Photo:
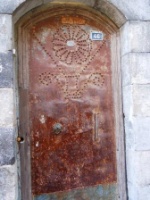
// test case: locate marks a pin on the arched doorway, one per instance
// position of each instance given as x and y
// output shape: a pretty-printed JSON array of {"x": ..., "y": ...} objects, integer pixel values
[{"x": 68, "y": 108}]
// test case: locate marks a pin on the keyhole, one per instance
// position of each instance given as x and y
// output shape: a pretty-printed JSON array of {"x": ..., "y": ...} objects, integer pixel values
[{"x": 57, "y": 128}]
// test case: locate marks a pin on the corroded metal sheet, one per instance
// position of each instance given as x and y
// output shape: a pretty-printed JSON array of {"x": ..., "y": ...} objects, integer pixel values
[{"x": 71, "y": 106}]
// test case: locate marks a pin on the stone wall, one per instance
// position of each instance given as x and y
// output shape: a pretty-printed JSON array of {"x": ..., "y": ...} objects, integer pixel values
[
  {"x": 136, "y": 101},
  {"x": 135, "y": 60},
  {"x": 8, "y": 172}
]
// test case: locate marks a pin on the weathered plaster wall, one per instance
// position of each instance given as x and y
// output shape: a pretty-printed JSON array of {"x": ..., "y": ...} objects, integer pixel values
[{"x": 135, "y": 59}]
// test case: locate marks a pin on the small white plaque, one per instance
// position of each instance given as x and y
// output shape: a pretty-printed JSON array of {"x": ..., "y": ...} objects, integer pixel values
[{"x": 96, "y": 35}]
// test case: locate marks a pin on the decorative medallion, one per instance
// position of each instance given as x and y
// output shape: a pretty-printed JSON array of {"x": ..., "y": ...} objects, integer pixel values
[{"x": 71, "y": 44}]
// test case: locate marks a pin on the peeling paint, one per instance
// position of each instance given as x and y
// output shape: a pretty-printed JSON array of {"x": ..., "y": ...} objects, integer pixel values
[{"x": 42, "y": 119}]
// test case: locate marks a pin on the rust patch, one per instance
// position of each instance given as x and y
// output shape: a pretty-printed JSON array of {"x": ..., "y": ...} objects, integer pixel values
[
  {"x": 70, "y": 86},
  {"x": 73, "y": 20}
]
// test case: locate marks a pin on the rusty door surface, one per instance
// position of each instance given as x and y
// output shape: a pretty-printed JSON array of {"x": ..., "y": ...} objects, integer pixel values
[{"x": 71, "y": 110}]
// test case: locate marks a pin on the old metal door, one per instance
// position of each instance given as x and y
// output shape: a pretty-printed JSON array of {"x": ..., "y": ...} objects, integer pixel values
[{"x": 71, "y": 110}]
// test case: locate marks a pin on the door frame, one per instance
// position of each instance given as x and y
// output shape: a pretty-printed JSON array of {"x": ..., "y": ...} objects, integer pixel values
[{"x": 21, "y": 37}]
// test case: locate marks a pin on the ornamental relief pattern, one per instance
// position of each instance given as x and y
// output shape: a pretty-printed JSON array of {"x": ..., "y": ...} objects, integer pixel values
[{"x": 72, "y": 47}]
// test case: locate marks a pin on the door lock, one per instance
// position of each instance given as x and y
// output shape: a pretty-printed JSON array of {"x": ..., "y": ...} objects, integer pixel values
[{"x": 57, "y": 128}]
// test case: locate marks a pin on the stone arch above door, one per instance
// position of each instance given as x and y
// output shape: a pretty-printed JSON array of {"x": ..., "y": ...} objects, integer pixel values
[
  {"x": 101, "y": 6},
  {"x": 100, "y": 12}
]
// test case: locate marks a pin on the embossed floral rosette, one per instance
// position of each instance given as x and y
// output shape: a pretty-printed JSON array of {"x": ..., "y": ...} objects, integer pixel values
[{"x": 71, "y": 44}]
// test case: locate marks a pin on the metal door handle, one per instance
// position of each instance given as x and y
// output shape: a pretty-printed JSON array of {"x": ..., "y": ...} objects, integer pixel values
[{"x": 95, "y": 128}]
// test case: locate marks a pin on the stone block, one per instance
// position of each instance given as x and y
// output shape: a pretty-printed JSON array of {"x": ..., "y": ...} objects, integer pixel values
[
  {"x": 136, "y": 192},
  {"x": 132, "y": 191},
  {"x": 102, "y": 6},
  {"x": 107, "y": 8},
  {"x": 129, "y": 133},
  {"x": 130, "y": 165},
  {"x": 7, "y": 108},
  {"x": 6, "y": 70},
  {"x": 86, "y": 2},
  {"x": 135, "y": 68},
  {"x": 142, "y": 168},
  {"x": 133, "y": 10},
  {"x": 8, "y": 183},
  {"x": 137, "y": 132},
  {"x": 136, "y": 101},
  {"x": 128, "y": 101},
  {"x": 141, "y": 99},
  {"x": 5, "y": 32},
  {"x": 138, "y": 165},
  {"x": 9, "y": 6},
  {"x": 28, "y": 6},
  {"x": 141, "y": 130},
  {"x": 7, "y": 146},
  {"x": 126, "y": 69},
  {"x": 143, "y": 193},
  {"x": 135, "y": 37}
]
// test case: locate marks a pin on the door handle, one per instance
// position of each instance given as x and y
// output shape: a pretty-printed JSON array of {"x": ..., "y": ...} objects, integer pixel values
[{"x": 95, "y": 127}]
